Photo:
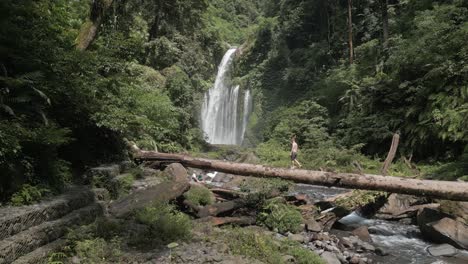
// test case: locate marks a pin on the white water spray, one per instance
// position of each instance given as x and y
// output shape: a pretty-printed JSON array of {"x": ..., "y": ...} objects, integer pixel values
[{"x": 221, "y": 120}]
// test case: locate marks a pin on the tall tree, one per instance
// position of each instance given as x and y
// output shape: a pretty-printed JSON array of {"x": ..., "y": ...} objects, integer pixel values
[
  {"x": 350, "y": 31},
  {"x": 384, "y": 7},
  {"x": 89, "y": 29}
]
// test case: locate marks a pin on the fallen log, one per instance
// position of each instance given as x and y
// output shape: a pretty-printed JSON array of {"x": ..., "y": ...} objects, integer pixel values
[
  {"x": 219, "y": 208},
  {"x": 447, "y": 190},
  {"x": 230, "y": 194},
  {"x": 218, "y": 221},
  {"x": 162, "y": 192}
]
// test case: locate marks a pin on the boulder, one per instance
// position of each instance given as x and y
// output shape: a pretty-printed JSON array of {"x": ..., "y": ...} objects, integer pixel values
[
  {"x": 297, "y": 237},
  {"x": 358, "y": 243},
  {"x": 428, "y": 215},
  {"x": 397, "y": 203},
  {"x": 330, "y": 258},
  {"x": 442, "y": 250},
  {"x": 438, "y": 227},
  {"x": 354, "y": 260},
  {"x": 327, "y": 221},
  {"x": 449, "y": 231},
  {"x": 381, "y": 252},
  {"x": 312, "y": 225},
  {"x": 176, "y": 172},
  {"x": 363, "y": 233},
  {"x": 457, "y": 209},
  {"x": 401, "y": 206}
]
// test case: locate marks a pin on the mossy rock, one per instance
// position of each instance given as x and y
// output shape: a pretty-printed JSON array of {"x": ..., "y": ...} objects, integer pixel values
[
  {"x": 456, "y": 209},
  {"x": 200, "y": 195}
]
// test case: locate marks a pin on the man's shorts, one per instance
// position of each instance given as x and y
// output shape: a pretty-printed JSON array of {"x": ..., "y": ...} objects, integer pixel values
[{"x": 293, "y": 155}]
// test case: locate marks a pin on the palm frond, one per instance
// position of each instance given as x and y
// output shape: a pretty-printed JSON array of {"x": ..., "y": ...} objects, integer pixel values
[
  {"x": 32, "y": 76},
  {"x": 42, "y": 95},
  {"x": 7, "y": 109}
]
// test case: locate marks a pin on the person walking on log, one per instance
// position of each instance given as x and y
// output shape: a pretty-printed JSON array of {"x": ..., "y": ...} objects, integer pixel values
[{"x": 294, "y": 149}]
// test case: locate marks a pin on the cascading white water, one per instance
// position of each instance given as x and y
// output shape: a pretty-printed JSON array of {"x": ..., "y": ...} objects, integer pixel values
[
  {"x": 246, "y": 112},
  {"x": 220, "y": 119}
]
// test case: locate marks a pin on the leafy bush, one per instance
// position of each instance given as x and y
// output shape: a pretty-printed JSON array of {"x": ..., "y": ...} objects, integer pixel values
[
  {"x": 56, "y": 258},
  {"x": 199, "y": 195},
  {"x": 117, "y": 186},
  {"x": 303, "y": 255},
  {"x": 99, "y": 250},
  {"x": 98, "y": 242},
  {"x": 125, "y": 183},
  {"x": 137, "y": 172},
  {"x": 261, "y": 189},
  {"x": 165, "y": 223},
  {"x": 29, "y": 194},
  {"x": 101, "y": 228},
  {"x": 264, "y": 248},
  {"x": 359, "y": 198},
  {"x": 277, "y": 215},
  {"x": 272, "y": 185}
]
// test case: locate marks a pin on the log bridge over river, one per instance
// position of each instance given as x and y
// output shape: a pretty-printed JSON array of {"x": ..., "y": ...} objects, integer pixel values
[{"x": 448, "y": 190}]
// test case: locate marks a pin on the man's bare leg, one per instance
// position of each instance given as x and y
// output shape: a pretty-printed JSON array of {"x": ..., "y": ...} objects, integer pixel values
[{"x": 298, "y": 163}]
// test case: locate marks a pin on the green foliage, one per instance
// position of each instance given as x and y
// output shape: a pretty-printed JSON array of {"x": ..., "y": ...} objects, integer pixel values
[
  {"x": 99, "y": 250},
  {"x": 56, "y": 258},
  {"x": 125, "y": 182},
  {"x": 307, "y": 120},
  {"x": 232, "y": 20},
  {"x": 416, "y": 84},
  {"x": 29, "y": 194},
  {"x": 264, "y": 248},
  {"x": 117, "y": 186},
  {"x": 142, "y": 78},
  {"x": 259, "y": 190},
  {"x": 99, "y": 242},
  {"x": 274, "y": 185},
  {"x": 359, "y": 198},
  {"x": 137, "y": 172},
  {"x": 101, "y": 228},
  {"x": 165, "y": 224},
  {"x": 144, "y": 75},
  {"x": 199, "y": 195},
  {"x": 277, "y": 215}
]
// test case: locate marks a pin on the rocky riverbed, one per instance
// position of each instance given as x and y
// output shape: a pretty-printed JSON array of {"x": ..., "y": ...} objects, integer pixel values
[
  {"x": 338, "y": 225},
  {"x": 391, "y": 236}
]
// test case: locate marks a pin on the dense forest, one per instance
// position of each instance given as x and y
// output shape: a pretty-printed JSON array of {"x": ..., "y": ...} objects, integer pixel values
[{"x": 80, "y": 77}]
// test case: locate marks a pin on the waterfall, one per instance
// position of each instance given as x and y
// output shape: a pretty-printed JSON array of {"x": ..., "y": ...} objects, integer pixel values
[
  {"x": 223, "y": 118},
  {"x": 246, "y": 112}
]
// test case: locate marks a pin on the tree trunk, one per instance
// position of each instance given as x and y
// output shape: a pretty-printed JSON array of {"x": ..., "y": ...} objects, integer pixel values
[
  {"x": 437, "y": 189},
  {"x": 219, "y": 208},
  {"x": 218, "y": 221},
  {"x": 391, "y": 153},
  {"x": 89, "y": 29},
  {"x": 350, "y": 32},
  {"x": 163, "y": 192},
  {"x": 384, "y": 6}
]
